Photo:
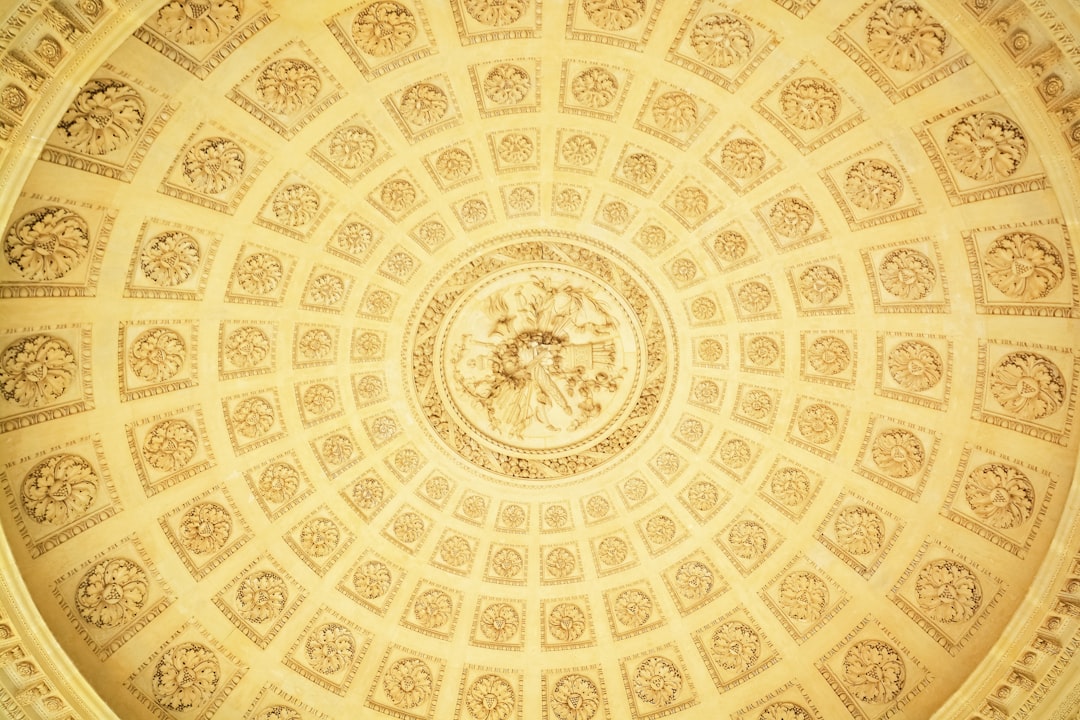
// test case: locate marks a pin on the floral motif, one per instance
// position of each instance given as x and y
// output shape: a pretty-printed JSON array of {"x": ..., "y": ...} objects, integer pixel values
[
  {"x": 828, "y": 355},
  {"x": 157, "y": 354},
  {"x": 915, "y": 366},
  {"x": 703, "y": 495},
  {"x": 288, "y": 85},
  {"x": 594, "y": 87},
  {"x": 355, "y": 238},
  {"x": 326, "y": 289},
  {"x": 898, "y": 452},
  {"x": 999, "y": 494},
  {"x": 186, "y": 676},
  {"x": 873, "y": 185},
  {"x": 568, "y": 200},
  {"x": 703, "y": 308},
  {"x": 473, "y": 211},
  {"x": 692, "y": 430},
  {"x": 46, "y": 243},
  {"x": 372, "y": 580},
  {"x": 507, "y": 84},
  {"x": 353, "y": 146},
  {"x": 198, "y": 22},
  {"x": 408, "y": 527},
  {"x": 635, "y": 489},
  {"x": 757, "y": 405},
  {"x": 368, "y": 493},
  {"x": 762, "y": 351},
  {"x": 818, "y": 423},
  {"x": 454, "y": 164},
  {"x": 747, "y": 539},
  {"x": 566, "y": 622},
  {"x": 907, "y": 273},
  {"x": 437, "y": 487},
  {"x": 691, "y": 202},
  {"x": 112, "y": 592},
  {"x": 1023, "y": 266},
  {"x": 59, "y": 489},
  {"x": 247, "y": 346},
  {"x": 791, "y": 218},
  {"x": 574, "y": 697},
  {"x": 315, "y": 344},
  {"x": 560, "y": 563},
  {"x": 578, "y": 150},
  {"x": 253, "y": 417},
  {"x": 432, "y": 233},
  {"x": 512, "y": 516},
  {"x": 279, "y": 712},
  {"x": 433, "y": 608},
  {"x": 214, "y": 165},
  {"x": 640, "y": 168},
  {"x": 330, "y": 648},
  {"x": 556, "y": 516},
  {"x": 742, "y": 158},
  {"x": 675, "y": 112},
  {"x": 1025, "y": 384},
  {"x": 295, "y": 205},
  {"x": 408, "y": 682},
  {"x": 397, "y": 194},
  {"x": 36, "y": 370},
  {"x": 735, "y": 646},
  {"x": 455, "y": 551},
  {"x": 803, "y": 596},
  {"x": 490, "y": 697},
  {"x": 259, "y": 273},
  {"x": 905, "y": 37},
  {"x": 612, "y": 551},
  {"x": 205, "y": 528},
  {"x": 810, "y": 103},
  {"x": 948, "y": 591},
  {"x": 319, "y": 537},
  {"x": 633, "y": 608},
  {"x": 657, "y": 681},
  {"x": 105, "y": 115},
  {"x": 521, "y": 199},
  {"x": 683, "y": 269},
  {"x": 722, "y": 40},
  {"x": 614, "y": 15},
  {"x": 497, "y": 13},
  {"x": 754, "y": 296},
  {"x": 986, "y": 146},
  {"x": 170, "y": 445},
  {"x": 515, "y": 148},
  {"x": 261, "y": 596},
  {"x": 615, "y": 213},
  {"x": 730, "y": 245},
  {"x": 336, "y": 449},
  {"x": 820, "y": 285},
  {"x": 859, "y": 530},
  {"x": 170, "y": 258},
  {"x": 694, "y": 580},
  {"x": 790, "y": 485},
  {"x": 735, "y": 453},
  {"x": 874, "y": 671},
  {"x": 784, "y": 710},
  {"x": 423, "y": 104},
  {"x": 384, "y": 28},
  {"x": 499, "y": 622},
  {"x": 597, "y": 506},
  {"x": 278, "y": 482}
]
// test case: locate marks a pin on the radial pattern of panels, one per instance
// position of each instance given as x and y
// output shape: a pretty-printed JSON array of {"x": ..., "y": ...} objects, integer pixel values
[{"x": 498, "y": 359}]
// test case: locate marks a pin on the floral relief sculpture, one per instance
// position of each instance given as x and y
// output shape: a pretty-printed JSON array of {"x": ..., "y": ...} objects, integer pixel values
[
  {"x": 319, "y": 537},
  {"x": 803, "y": 596},
  {"x": 59, "y": 489},
  {"x": 1027, "y": 385},
  {"x": 351, "y": 147},
  {"x": 372, "y": 580},
  {"x": 214, "y": 165},
  {"x": 873, "y": 185},
  {"x": 748, "y": 539},
  {"x": 614, "y": 15},
  {"x": 259, "y": 273},
  {"x": 859, "y": 530},
  {"x": 507, "y": 84},
  {"x": 791, "y": 217},
  {"x": 574, "y": 697},
  {"x": 253, "y": 417},
  {"x": 205, "y": 528},
  {"x": 287, "y": 86},
  {"x": 499, "y": 622},
  {"x": 496, "y": 13},
  {"x": 295, "y": 205},
  {"x": 594, "y": 87},
  {"x": 721, "y": 40},
  {"x": 742, "y": 159},
  {"x": 170, "y": 445},
  {"x": 730, "y": 245},
  {"x": 948, "y": 591},
  {"x": 675, "y": 112},
  {"x": 784, "y": 710},
  {"x": 874, "y": 671},
  {"x": 490, "y": 697},
  {"x": 694, "y": 580},
  {"x": 828, "y": 355},
  {"x": 261, "y": 596},
  {"x": 915, "y": 365},
  {"x": 566, "y": 622},
  {"x": 105, "y": 115},
  {"x": 986, "y": 146},
  {"x": 423, "y": 104},
  {"x": 820, "y": 284},
  {"x": 46, "y": 243},
  {"x": 247, "y": 346},
  {"x": 790, "y": 485},
  {"x": 279, "y": 712},
  {"x": 657, "y": 681},
  {"x": 278, "y": 482},
  {"x": 1000, "y": 495},
  {"x": 112, "y": 592},
  {"x": 1023, "y": 266},
  {"x": 408, "y": 682},
  {"x": 170, "y": 258},
  {"x": 382, "y": 29},
  {"x": 903, "y": 36},
  {"x": 185, "y": 677},
  {"x": 560, "y": 563},
  {"x": 907, "y": 274},
  {"x": 433, "y": 608},
  {"x": 898, "y": 452},
  {"x": 198, "y": 22},
  {"x": 36, "y": 370},
  {"x": 735, "y": 646},
  {"x": 810, "y": 103},
  {"x": 818, "y": 423},
  {"x": 633, "y": 608},
  {"x": 330, "y": 648},
  {"x": 157, "y": 354}
]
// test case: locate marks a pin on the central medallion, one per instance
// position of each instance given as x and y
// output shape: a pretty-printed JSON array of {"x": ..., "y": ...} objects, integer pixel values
[{"x": 541, "y": 359}]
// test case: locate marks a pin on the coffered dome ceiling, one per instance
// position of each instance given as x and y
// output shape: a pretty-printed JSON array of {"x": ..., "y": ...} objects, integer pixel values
[{"x": 502, "y": 359}]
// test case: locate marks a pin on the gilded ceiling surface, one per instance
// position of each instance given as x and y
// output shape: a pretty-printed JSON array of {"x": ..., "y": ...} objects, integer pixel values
[{"x": 522, "y": 359}]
